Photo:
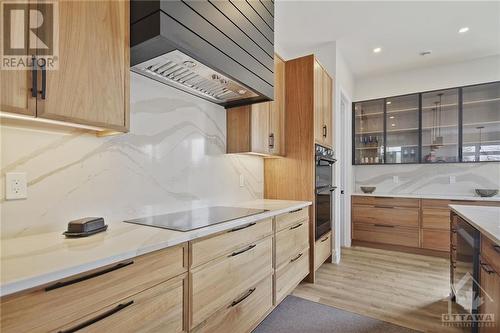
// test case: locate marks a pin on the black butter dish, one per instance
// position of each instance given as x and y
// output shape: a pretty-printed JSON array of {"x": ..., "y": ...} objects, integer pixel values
[{"x": 85, "y": 227}]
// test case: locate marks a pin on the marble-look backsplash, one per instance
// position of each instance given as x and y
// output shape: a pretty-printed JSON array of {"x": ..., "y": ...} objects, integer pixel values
[
  {"x": 172, "y": 159},
  {"x": 429, "y": 179}
]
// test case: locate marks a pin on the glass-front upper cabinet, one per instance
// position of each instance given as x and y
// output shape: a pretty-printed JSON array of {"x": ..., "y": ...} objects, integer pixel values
[
  {"x": 369, "y": 132},
  {"x": 402, "y": 128},
  {"x": 440, "y": 126},
  {"x": 481, "y": 123}
]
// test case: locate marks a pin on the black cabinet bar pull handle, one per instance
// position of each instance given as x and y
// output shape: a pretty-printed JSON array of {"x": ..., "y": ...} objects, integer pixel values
[
  {"x": 58, "y": 285},
  {"x": 44, "y": 79},
  {"x": 324, "y": 131},
  {"x": 295, "y": 211},
  {"x": 487, "y": 268},
  {"x": 242, "y": 251},
  {"x": 496, "y": 248},
  {"x": 34, "y": 78},
  {"x": 296, "y": 226},
  {"x": 271, "y": 141},
  {"x": 383, "y": 225},
  {"x": 97, "y": 318},
  {"x": 242, "y": 298},
  {"x": 324, "y": 239},
  {"x": 242, "y": 227},
  {"x": 296, "y": 258}
]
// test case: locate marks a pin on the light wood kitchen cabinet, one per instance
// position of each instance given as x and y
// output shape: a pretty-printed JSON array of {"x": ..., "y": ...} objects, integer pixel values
[
  {"x": 91, "y": 84},
  {"x": 66, "y": 301},
  {"x": 290, "y": 275},
  {"x": 323, "y": 107},
  {"x": 260, "y": 128},
  {"x": 409, "y": 222},
  {"x": 290, "y": 242},
  {"x": 224, "y": 280},
  {"x": 243, "y": 314},
  {"x": 490, "y": 293},
  {"x": 323, "y": 249},
  {"x": 157, "y": 309}
]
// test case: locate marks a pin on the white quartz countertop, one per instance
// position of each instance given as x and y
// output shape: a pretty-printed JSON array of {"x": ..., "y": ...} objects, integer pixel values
[
  {"x": 430, "y": 196},
  {"x": 31, "y": 261},
  {"x": 484, "y": 219}
]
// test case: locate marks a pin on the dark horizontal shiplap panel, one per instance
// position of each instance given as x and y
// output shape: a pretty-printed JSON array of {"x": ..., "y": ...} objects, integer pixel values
[
  {"x": 183, "y": 14},
  {"x": 254, "y": 18},
  {"x": 227, "y": 27},
  {"x": 245, "y": 25},
  {"x": 269, "y": 6},
  {"x": 262, "y": 12}
]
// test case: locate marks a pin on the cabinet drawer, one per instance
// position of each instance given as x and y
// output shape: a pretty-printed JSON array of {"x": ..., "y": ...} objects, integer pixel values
[
  {"x": 286, "y": 220},
  {"x": 441, "y": 203},
  {"x": 434, "y": 239},
  {"x": 210, "y": 248},
  {"x": 290, "y": 275},
  {"x": 57, "y": 304},
  {"x": 386, "y": 234},
  {"x": 385, "y": 201},
  {"x": 491, "y": 253},
  {"x": 322, "y": 249},
  {"x": 242, "y": 313},
  {"x": 291, "y": 241},
  {"x": 436, "y": 218},
  {"x": 220, "y": 281},
  {"x": 157, "y": 309},
  {"x": 406, "y": 217}
]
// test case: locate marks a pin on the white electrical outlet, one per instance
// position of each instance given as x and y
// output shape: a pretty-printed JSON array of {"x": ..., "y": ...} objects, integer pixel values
[
  {"x": 453, "y": 179},
  {"x": 15, "y": 186},
  {"x": 395, "y": 179},
  {"x": 242, "y": 181}
]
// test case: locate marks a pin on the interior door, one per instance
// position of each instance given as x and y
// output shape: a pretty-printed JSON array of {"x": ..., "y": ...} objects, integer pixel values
[
  {"x": 16, "y": 85},
  {"x": 277, "y": 109},
  {"x": 90, "y": 86},
  {"x": 318, "y": 104}
]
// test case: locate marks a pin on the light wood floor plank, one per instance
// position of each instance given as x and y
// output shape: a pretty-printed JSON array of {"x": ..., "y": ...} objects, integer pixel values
[{"x": 406, "y": 289}]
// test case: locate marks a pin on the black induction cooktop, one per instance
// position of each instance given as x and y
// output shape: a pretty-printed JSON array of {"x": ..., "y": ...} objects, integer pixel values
[{"x": 197, "y": 218}]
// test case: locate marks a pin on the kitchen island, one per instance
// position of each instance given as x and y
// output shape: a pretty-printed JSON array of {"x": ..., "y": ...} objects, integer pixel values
[{"x": 113, "y": 280}]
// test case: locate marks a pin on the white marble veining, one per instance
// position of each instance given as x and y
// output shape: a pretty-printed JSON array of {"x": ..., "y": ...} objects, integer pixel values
[
  {"x": 34, "y": 260},
  {"x": 173, "y": 158},
  {"x": 429, "y": 178},
  {"x": 430, "y": 196},
  {"x": 484, "y": 219}
]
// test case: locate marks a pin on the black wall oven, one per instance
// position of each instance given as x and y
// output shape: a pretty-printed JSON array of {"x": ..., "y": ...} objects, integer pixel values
[{"x": 325, "y": 159}]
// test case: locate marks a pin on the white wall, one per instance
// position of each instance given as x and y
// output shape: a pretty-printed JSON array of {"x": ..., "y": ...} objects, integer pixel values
[
  {"x": 172, "y": 159},
  {"x": 437, "y": 77}
]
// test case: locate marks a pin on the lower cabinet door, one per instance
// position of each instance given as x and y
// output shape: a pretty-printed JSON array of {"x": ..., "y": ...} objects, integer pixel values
[
  {"x": 157, "y": 309},
  {"x": 434, "y": 239},
  {"x": 490, "y": 292},
  {"x": 322, "y": 249},
  {"x": 222, "y": 280},
  {"x": 290, "y": 275},
  {"x": 386, "y": 234},
  {"x": 243, "y": 313}
]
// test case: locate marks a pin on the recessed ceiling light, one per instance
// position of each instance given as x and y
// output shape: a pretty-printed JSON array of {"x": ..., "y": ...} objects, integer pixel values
[
  {"x": 463, "y": 30},
  {"x": 393, "y": 125},
  {"x": 391, "y": 117},
  {"x": 389, "y": 103},
  {"x": 377, "y": 50}
]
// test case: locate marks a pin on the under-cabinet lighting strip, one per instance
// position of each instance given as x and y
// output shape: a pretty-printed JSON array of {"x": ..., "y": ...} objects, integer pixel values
[{"x": 8, "y": 115}]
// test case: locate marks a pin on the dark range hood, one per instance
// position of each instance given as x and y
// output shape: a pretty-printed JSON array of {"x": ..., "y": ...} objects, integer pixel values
[{"x": 222, "y": 51}]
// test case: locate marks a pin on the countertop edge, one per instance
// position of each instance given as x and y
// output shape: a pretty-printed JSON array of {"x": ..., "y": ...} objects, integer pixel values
[
  {"x": 481, "y": 229},
  {"x": 39, "y": 280},
  {"x": 430, "y": 196}
]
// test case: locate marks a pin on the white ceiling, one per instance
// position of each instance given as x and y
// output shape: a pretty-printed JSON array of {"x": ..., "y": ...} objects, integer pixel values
[{"x": 402, "y": 29}]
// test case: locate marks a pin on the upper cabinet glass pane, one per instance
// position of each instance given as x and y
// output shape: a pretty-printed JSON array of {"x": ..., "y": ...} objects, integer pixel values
[
  {"x": 369, "y": 132},
  {"x": 402, "y": 124},
  {"x": 440, "y": 111},
  {"x": 481, "y": 123}
]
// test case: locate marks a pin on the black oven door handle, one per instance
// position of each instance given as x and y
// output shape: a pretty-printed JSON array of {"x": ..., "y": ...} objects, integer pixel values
[{"x": 325, "y": 189}]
